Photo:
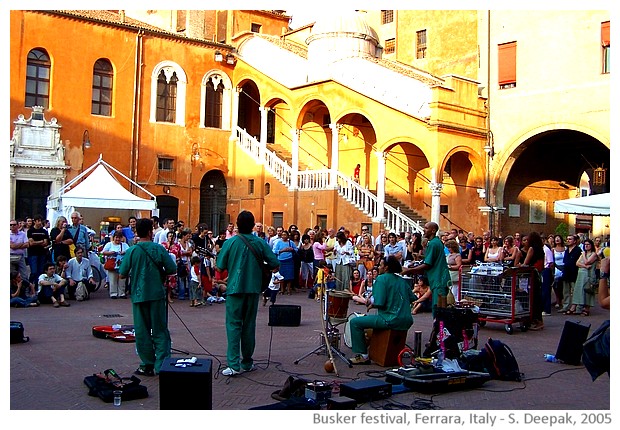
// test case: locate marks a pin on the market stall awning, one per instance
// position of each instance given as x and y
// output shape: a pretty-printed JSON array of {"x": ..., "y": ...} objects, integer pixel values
[
  {"x": 596, "y": 204},
  {"x": 100, "y": 189}
]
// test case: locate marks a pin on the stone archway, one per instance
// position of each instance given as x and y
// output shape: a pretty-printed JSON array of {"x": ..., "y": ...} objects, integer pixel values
[
  {"x": 213, "y": 194},
  {"x": 544, "y": 168}
]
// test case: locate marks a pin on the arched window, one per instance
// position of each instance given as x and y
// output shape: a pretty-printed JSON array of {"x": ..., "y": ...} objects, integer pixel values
[
  {"x": 103, "y": 78},
  {"x": 38, "y": 78},
  {"x": 168, "y": 90},
  {"x": 166, "y": 97},
  {"x": 213, "y": 105},
  {"x": 216, "y": 99}
]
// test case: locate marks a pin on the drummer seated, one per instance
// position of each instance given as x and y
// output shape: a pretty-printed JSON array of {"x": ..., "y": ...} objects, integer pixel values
[
  {"x": 422, "y": 291},
  {"x": 391, "y": 296}
]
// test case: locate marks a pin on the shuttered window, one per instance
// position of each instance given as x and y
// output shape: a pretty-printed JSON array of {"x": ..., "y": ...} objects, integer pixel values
[
  {"x": 605, "y": 43},
  {"x": 605, "y": 33},
  {"x": 507, "y": 65}
]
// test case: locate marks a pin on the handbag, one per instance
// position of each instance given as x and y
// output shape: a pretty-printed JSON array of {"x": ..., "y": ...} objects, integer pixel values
[
  {"x": 110, "y": 263},
  {"x": 591, "y": 287},
  {"x": 182, "y": 271},
  {"x": 72, "y": 246},
  {"x": 266, "y": 272}
]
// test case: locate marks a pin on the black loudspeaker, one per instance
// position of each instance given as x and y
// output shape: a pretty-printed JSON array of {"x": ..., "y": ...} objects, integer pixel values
[
  {"x": 185, "y": 388},
  {"x": 570, "y": 347},
  {"x": 284, "y": 315}
]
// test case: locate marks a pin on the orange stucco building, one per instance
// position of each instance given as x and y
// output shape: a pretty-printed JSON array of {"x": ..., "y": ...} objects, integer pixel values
[{"x": 182, "y": 101}]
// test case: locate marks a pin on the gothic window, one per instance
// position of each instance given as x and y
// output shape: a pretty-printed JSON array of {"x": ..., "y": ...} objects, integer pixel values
[
  {"x": 168, "y": 93},
  {"x": 213, "y": 105},
  {"x": 166, "y": 97},
  {"x": 216, "y": 100},
  {"x": 38, "y": 78},
  {"x": 103, "y": 77}
]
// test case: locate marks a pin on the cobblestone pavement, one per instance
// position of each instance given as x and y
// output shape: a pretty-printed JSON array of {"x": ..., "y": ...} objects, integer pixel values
[{"x": 47, "y": 372}]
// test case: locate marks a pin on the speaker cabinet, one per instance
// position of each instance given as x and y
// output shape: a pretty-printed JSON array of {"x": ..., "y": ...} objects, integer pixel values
[
  {"x": 284, "y": 315},
  {"x": 385, "y": 345},
  {"x": 571, "y": 342},
  {"x": 185, "y": 388}
]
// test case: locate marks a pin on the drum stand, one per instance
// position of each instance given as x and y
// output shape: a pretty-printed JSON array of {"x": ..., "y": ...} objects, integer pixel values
[{"x": 327, "y": 337}]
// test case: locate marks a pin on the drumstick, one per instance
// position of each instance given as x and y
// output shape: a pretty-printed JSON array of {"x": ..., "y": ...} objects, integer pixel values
[{"x": 328, "y": 344}]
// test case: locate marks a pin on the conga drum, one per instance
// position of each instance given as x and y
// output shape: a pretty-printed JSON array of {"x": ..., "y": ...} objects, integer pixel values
[{"x": 338, "y": 304}]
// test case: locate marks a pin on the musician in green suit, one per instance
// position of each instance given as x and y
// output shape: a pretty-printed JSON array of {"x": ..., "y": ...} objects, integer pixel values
[
  {"x": 392, "y": 297},
  {"x": 148, "y": 263},
  {"x": 243, "y": 291}
]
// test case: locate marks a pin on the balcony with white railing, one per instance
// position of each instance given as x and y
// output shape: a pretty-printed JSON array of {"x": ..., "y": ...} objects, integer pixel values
[{"x": 313, "y": 180}]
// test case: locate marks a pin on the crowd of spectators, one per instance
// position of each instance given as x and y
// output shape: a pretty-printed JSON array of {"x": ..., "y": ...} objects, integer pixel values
[{"x": 567, "y": 265}]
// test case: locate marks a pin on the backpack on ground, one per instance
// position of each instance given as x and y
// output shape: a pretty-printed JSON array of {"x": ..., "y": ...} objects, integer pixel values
[
  {"x": 17, "y": 333},
  {"x": 500, "y": 362},
  {"x": 104, "y": 384},
  {"x": 81, "y": 292}
]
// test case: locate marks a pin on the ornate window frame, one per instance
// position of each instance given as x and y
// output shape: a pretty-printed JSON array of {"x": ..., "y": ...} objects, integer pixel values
[
  {"x": 217, "y": 76},
  {"x": 169, "y": 67}
]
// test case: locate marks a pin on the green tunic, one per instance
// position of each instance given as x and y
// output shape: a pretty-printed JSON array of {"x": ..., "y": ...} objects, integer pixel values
[
  {"x": 242, "y": 295},
  {"x": 438, "y": 274},
  {"x": 148, "y": 297},
  {"x": 392, "y": 297}
]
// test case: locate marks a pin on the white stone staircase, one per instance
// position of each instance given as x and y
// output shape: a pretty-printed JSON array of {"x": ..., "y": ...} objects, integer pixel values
[{"x": 325, "y": 179}]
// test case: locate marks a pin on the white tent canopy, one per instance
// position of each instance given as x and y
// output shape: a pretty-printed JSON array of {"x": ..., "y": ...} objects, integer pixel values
[
  {"x": 596, "y": 204},
  {"x": 97, "y": 188}
]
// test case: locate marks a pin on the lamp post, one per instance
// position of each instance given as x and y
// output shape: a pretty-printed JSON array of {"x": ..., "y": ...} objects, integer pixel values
[
  {"x": 86, "y": 140},
  {"x": 85, "y": 145},
  {"x": 194, "y": 158}
]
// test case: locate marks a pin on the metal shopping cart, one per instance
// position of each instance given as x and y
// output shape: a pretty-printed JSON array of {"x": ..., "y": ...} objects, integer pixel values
[{"x": 503, "y": 295}]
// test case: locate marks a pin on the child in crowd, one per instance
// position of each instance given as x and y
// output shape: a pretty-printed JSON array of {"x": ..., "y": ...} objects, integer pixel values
[
  {"x": 365, "y": 290},
  {"x": 423, "y": 293},
  {"x": 205, "y": 275},
  {"x": 218, "y": 291},
  {"x": 274, "y": 287},
  {"x": 324, "y": 279},
  {"x": 195, "y": 285}
]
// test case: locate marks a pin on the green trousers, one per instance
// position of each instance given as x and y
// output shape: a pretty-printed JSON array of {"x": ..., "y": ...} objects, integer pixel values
[
  {"x": 358, "y": 325},
  {"x": 241, "y": 310},
  {"x": 152, "y": 336}
]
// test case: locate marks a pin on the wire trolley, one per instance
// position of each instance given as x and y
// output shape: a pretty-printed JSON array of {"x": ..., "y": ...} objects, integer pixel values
[{"x": 503, "y": 295}]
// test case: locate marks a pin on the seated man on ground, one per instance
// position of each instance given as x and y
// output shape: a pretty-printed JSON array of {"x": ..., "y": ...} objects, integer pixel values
[
  {"x": 80, "y": 275},
  {"x": 22, "y": 292},
  {"x": 51, "y": 287},
  {"x": 391, "y": 296}
]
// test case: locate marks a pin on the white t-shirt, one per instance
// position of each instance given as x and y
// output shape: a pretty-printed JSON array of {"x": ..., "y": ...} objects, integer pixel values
[
  {"x": 193, "y": 275},
  {"x": 275, "y": 277}
]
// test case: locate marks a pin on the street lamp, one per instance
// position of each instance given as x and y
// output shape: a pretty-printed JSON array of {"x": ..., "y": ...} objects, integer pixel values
[
  {"x": 195, "y": 153},
  {"x": 86, "y": 140}
]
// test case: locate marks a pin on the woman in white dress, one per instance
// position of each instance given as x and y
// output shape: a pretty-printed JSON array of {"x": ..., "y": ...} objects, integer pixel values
[
  {"x": 116, "y": 250},
  {"x": 558, "y": 257},
  {"x": 494, "y": 253}
]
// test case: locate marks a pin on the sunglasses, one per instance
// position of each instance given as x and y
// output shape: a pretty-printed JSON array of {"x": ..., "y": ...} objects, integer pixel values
[{"x": 12, "y": 225}]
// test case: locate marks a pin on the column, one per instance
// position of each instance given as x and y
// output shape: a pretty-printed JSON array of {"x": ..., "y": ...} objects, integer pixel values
[
  {"x": 263, "y": 134},
  {"x": 294, "y": 159},
  {"x": 234, "y": 114},
  {"x": 436, "y": 188},
  {"x": 334, "y": 165},
  {"x": 378, "y": 215}
]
